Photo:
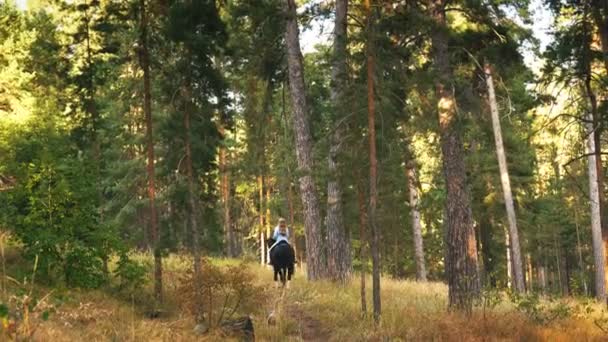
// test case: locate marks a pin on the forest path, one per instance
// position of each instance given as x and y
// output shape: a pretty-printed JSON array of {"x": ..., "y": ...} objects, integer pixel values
[
  {"x": 310, "y": 328},
  {"x": 289, "y": 308}
]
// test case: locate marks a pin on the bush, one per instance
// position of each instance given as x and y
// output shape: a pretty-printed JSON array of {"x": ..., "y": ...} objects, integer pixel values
[
  {"x": 83, "y": 268},
  {"x": 52, "y": 210},
  {"x": 226, "y": 291},
  {"x": 541, "y": 312},
  {"x": 130, "y": 273}
]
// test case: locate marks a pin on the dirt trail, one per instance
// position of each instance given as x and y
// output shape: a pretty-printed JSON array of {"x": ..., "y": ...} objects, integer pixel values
[{"x": 310, "y": 328}]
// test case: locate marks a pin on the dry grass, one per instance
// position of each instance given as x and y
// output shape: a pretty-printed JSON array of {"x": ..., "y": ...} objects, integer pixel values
[{"x": 319, "y": 311}]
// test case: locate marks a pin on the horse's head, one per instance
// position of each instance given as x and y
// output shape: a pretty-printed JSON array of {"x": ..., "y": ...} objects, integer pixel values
[{"x": 270, "y": 242}]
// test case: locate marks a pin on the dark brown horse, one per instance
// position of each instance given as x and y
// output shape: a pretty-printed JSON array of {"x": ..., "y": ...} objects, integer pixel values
[{"x": 282, "y": 259}]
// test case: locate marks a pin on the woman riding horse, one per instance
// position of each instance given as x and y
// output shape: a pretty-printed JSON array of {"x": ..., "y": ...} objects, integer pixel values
[{"x": 282, "y": 255}]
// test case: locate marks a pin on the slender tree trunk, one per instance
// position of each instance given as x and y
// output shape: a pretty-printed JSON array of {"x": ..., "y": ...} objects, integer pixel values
[
  {"x": 565, "y": 285},
  {"x": 558, "y": 263},
  {"x": 338, "y": 246},
  {"x": 597, "y": 133},
  {"x": 579, "y": 252},
  {"x": 509, "y": 260},
  {"x": 262, "y": 231},
  {"x": 600, "y": 244},
  {"x": 487, "y": 252},
  {"x": 268, "y": 222},
  {"x": 412, "y": 180},
  {"x": 362, "y": 241},
  {"x": 229, "y": 248},
  {"x": 461, "y": 247},
  {"x": 292, "y": 222},
  {"x": 596, "y": 227},
  {"x": 193, "y": 204},
  {"x": 312, "y": 220},
  {"x": 145, "y": 65},
  {"x": 529, "y": 273},
  {"x": 506, "y": 185},
  {"x": 542, "y": 278},
  {"x": 373, "y": 163}
]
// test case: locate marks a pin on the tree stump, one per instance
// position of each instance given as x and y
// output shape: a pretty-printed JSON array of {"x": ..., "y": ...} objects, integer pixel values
[{"x": 240, "y": 327}]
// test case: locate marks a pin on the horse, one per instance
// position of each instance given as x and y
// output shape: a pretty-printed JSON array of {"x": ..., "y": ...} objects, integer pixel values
[{"x": 282, "y": 259}]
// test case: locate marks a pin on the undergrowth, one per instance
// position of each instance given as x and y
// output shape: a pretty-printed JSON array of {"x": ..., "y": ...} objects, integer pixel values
[{"x": 307, "y": 311}]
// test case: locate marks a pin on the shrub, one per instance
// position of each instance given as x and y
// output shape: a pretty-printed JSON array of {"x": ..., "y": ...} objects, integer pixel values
[
  {"x": 130, "y": 273},
  {"x": 52, "y": 210},
  {"x": 226, "y": 291},
  {"x": 539, "y": 311}
]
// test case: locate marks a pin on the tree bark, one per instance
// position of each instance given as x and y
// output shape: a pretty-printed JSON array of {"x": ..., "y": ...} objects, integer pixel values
[
  {"x": 338, "y": 246},
  {"x": 268, "y": 221},
  {"x": 579, "y": 252},
  {"x": 412, "y": 180},
  {"x": 600, "y": 241},
  {"x": 312, "y": 220},
  {"x": 229, "y": 243},
  {"x": 193, "y": 203},
  {"x": 373, "y": 163},
  {"x": 292, "y": 221},
  {"x": 596, "y": 226},
  {"x": 362, "y": 242},
  {"x": 262, "y": 230},
  {"x": 542, "y": 278},
  {"x": 529, "y": 272},
  {"x": 518, "y": 269},
  {"x": 509, "y": 259},
  {"x": 488, "y": 251},
  {"x": 461, "y": 247},
  {"x": 145, "y": 66}
]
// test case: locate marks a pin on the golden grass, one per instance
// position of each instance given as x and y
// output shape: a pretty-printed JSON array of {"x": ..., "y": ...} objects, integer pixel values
[{"x": 320, "y": 311}]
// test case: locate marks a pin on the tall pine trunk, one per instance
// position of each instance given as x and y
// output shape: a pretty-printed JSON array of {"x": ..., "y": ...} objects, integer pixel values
[
  {"x": 579, "y": 253},
  {"x": 145, "y": 66},
  {"x": 229, "y": 243},
  {"x": 509, "y": 257},
  {"x": 262, "y": 231},
  {"x": 362, "y": 243},
  {"x": 518, "y": 271},
  {"x": 600, "y": 243},
  {"x": 193, "y": 204},
  {"x": 412, "y": 181},
  {"x": 312, "y": 219},
  {"x": 461, "y": 246},
  {"x": 296, "y": 245},
  {"x": 594, "y": 200},
  {"x": 338, "y": 246},
  {"x": 373, "y": 162}
]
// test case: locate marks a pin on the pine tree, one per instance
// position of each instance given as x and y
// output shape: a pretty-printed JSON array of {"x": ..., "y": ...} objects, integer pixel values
[
  {"x": 461, "y": 245},
  {"x": 312, "y": 221},
  {"x": 338, "y": 246}
]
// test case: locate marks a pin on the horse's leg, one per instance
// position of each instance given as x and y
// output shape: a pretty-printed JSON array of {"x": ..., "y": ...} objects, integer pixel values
[
  {"x": 276, "y": 273},
  {"x": 289, "y": 274},
  {"x": 283, "y": 276},
  {"x": 290, "y": 270}
]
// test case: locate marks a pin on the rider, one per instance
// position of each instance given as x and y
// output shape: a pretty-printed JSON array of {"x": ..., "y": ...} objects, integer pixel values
[{"x": 281, "y": 233}]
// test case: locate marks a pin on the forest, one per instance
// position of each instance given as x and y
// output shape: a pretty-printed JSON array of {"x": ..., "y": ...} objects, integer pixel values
[{"x": 438, "y": 165}]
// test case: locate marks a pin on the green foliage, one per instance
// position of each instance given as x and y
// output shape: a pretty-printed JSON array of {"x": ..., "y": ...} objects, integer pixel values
[
  {"x": 52, "y": 212},
  {"x": 541, "y": 311},
  {"x": 130, "y": 273}
]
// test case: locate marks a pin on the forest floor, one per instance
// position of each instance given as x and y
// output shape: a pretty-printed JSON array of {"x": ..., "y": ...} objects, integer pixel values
[{"x": 319, "y": 311}]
